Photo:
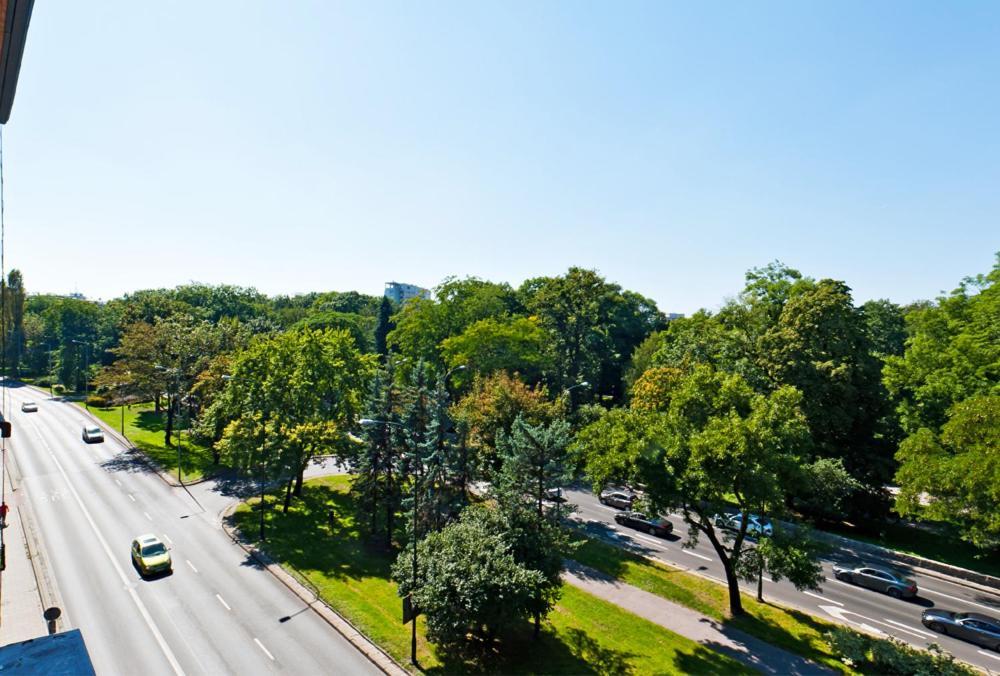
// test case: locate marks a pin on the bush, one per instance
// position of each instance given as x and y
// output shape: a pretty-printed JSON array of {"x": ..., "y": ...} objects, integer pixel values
[
  {"x": 59, "y": 388},
  {"x": 868, "y": 654},
  {"x": 43, "y": 381},
  {"x": 99, "y": 400}
]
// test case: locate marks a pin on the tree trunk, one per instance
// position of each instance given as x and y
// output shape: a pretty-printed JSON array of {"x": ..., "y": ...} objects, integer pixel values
[
  {"x": 735, "y": 600},
  {"x": 298, "y": 482},
  {"x": 288, "y": 497},
  {"x": 156, "y": 404},
  {"x": 538, "y": 624},
  {"x": 760, "y": 584}
]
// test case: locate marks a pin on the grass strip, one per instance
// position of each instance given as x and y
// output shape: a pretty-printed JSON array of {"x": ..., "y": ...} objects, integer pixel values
[
  {"x": 145, "y": 428},
  {"x": 583, "y": 634}
]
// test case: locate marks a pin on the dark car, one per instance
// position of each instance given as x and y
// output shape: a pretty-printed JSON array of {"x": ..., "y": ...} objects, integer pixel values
[
  {"x": 639, "y": 521},
  {"x": 973, "y": 627},
  {"x": 885, "y": 580},
  {"x": 614, "y": 497}
]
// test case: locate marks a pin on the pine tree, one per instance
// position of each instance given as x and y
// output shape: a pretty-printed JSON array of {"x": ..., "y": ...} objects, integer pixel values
[{"x": 383, "y": 326}]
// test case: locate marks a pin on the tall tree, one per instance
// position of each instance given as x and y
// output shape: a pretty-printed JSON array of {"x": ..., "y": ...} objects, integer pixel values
[
  {"x": 512, "y": 344},
  {"x": 717, "y": 441},
  {"x": 383, "y": 326},
  {"x": 14, "y": 320}
]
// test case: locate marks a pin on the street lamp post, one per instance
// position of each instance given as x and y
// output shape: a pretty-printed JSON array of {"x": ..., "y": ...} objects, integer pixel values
[
  {"x": 568, "y": 391},
  {"x": 173, "y": 370},
  {"x": 86, "y": 379}
]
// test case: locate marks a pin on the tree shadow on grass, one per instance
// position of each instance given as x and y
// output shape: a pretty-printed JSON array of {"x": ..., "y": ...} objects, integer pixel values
[
  {"x": 810, "y": 645},
  {"x": 150, "y": 421}
]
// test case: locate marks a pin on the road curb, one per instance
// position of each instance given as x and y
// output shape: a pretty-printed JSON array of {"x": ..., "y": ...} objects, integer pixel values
[
  {"x": 125, "y": 441},
  {"x": 342, "y": 625}
]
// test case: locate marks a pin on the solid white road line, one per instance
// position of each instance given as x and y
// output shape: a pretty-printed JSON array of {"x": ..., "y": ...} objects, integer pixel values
[
  {"x": 148, "y": 516},
  {"x": 261, "y": 645},
  {"x": 167, "y": 652},
  {"x": 690, "y": 553},
  {"x": 909, "y": 629},
  {"x": 131, "y": 497},
  {"x": 191, "y": 565},
  {"x": 955, "y": 598},
  {"x": 223, "y": 602},
  {"x": 983, "y": 652},
  {"x": 822, "y": 598}
]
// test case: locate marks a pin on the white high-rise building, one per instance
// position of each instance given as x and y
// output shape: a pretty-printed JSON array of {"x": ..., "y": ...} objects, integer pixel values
[{"x": 399, "y": 292}]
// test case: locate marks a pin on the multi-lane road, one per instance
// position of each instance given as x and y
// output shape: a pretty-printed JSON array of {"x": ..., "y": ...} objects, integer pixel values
[
  {"x": 217, "y": 613},
  {"x": 838, "y": 600}
]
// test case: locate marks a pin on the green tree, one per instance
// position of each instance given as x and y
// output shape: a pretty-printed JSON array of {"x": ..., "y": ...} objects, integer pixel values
[
  {"x": 958, "y": 469},
  {"x": 383, "y": 326},
  {"x": 471, "y": 589},
  {"x": 787, "y": 553},
  {"x": 718, "y": 441},
  {"x": 14, "y": 307},
  {"x": 513, "y": 344},
  {"x": 825, "y": 489}
]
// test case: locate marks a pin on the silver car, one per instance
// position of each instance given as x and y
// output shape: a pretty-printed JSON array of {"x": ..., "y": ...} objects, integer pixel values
[
  {"x": 885, "y": 580},
  {"x": 92, "y": 434},
  {"x": 29, "y": 407},
  {"x": 973, "y": 627},
  {"x": 617, "y": 498}
]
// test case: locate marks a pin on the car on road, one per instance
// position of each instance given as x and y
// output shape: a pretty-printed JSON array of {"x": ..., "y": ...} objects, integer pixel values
[
  {"x": 885, "y": 580},
  {"x": 554, "y": 495},
  {"x": 639, "y": 521},
  {"x": 614, "y": 497},
  {"x": 29, "y": 407},
  {"x": 150, "y": 555},
  {"x": 755, "y": 524},
  {"x": 92, "y": 434},
  {"x": 973, "y": 627}
]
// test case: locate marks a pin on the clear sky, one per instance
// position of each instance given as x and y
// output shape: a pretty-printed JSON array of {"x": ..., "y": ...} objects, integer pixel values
[{"x": 317, "y": 145}]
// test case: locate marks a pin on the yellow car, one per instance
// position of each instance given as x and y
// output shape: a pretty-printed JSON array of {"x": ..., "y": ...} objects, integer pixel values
[{"x": 150, "y": 555}]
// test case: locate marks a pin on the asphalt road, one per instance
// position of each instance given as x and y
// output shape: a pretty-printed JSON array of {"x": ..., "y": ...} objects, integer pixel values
[
  {"x": 853, "y": 605},
  {"x": 217, "y": 613}
]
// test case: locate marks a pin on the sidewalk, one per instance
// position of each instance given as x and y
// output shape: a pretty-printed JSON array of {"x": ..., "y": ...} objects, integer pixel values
[
  {"x": 712, "y": 634},
  {"x": 21, "y": 608}
]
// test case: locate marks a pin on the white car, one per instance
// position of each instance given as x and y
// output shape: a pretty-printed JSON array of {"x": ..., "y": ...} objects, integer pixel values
[
  {"x": 92, "y": 434},
  {"x": 755, "y": 526},
  {"x": 29, "y": 407}
]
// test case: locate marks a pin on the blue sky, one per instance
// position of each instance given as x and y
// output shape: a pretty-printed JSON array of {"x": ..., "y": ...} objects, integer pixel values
[{"x": 327, "y": 146}]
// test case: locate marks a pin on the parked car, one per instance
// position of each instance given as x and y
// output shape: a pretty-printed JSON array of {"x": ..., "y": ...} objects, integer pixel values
[
  {"x": 973, "y": 627},
  {"x": 755, "y": 526},
  {"x": 640, "y": 521},
  {"x": 29, "y": 407},
  {"x": 614, "y": 497},
  {"x": 150, "y": 555},
  {"x": 886, "y": 580},
  {"x": 92, "y": 434},
  {"x": 554, "y": 495}
]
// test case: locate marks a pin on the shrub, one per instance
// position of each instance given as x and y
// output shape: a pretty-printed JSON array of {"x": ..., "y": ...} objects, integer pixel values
[
  {"x": 43, "y": 381},
  {"x": 98, "y": 400},
  {"x": 58, "y": 388},
  {"x": 892, "y": 657}
]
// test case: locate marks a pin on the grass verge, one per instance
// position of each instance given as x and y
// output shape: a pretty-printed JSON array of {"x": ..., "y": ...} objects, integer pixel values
[
  {"x": 792, "y": 630},
  {"x": 144, "y": 428},
  {"x": 583, "y": 635}
]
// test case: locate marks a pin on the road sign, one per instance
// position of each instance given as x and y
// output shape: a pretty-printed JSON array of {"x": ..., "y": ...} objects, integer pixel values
[{"x": 410, "y": 609}]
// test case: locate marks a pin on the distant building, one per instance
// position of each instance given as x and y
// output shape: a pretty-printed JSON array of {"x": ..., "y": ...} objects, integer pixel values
[
  {"x": 671, "y": 316},
  {"x": 399, "y": 292}
]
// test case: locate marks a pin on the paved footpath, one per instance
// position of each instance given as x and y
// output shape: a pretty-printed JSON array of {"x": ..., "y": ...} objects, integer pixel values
[
  {"x": 21, "y": 609},
  {"x": 711, "y": 633}
]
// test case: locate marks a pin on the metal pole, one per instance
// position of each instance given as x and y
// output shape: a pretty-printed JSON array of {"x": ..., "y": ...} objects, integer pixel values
[
  {"x": 263, "y": 438},
  {"x": 413, "y": 628}
]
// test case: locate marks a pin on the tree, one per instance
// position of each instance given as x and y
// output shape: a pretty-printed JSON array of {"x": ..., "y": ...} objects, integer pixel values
[
  {"x": 491, "y": 406},
  {"x": 383, "y": 326},
  {"x": 534, "y": 459},
  {"x": 512, "y": 344},
  {"x": 307, "y": 388},
  {"x": 825, "y": 489},
  {"x": 791, "y": 554},
  {"x": 718, "y": 441},
  {"x": 642, "y": 357},
  {"x": 471, "y": 590},
  {"x": 14, "y": 320},
  {"x": 954, "y": 475}
]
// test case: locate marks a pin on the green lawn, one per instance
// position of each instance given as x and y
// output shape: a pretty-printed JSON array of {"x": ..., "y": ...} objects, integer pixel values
[
  {"x": 583, "y": 635},
  {"x": 792, "y": 630},
  {"x": 144, "y": 429}
]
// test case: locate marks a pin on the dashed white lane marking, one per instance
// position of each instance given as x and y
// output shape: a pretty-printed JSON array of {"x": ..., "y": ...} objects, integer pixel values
[
  {"x": 955, "y": 598},
  {"x": 118, "y": 482},
  {"x": 131, "y": 497},
  {"x": 983, "y": 652},
  {"x": 646, "y": 537},
  {"x": 148, "y": 516},
  {"x": 909, "y": 629},
  {"x": 261, "y": 646},
  {"x": 191, "y": 565},
  {"x": 167, "y": 538},
  {"x": 690, "y": 553},
  {"x": 167, "y": 652},
  {"x": 609, "y": 509},
  {"x": 822, "y": 598},
  {"x": 223, "y": 602}
]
